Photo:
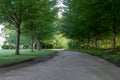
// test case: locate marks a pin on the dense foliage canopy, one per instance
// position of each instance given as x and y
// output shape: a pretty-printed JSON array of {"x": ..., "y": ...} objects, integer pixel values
[{"x": 91, "y": 21}]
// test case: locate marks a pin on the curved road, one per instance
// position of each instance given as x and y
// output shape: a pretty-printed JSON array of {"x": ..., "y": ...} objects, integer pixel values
[{"x": 68, "y": 65}]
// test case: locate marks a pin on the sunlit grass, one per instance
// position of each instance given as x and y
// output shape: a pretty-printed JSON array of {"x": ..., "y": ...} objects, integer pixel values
[{"x": 9, "y": 57}]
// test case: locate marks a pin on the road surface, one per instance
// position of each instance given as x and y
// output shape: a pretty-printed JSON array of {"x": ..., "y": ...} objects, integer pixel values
[{"x": 68, "y": 65}]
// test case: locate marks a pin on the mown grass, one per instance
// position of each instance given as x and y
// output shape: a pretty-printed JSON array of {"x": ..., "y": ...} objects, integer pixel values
[
  {"x": 106, "y": 54},
  {"x": 8, "y": 56}
]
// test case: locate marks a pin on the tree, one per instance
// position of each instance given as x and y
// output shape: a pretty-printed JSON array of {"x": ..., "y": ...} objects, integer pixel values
[
  {"x": 45, "y": 23},
  {"x": 90, "y": 19},
  {"x": 20, "y": 12},
  {"x": 30, "y": 23},
  {"x": 111, "y": 18},
  {"x": 39, "y": 21},
  {"x": 14, "y": 12}
]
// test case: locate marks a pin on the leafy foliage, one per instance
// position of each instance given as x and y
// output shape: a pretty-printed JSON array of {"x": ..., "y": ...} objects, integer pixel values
[{"x": 91, "y": 20}]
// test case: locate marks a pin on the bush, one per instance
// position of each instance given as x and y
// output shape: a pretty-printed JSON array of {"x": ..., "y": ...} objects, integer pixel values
[
  {"x": 8, "y": 47},
  {"x": 25, "y": 47},
  {"x": 5, "y": 47}
]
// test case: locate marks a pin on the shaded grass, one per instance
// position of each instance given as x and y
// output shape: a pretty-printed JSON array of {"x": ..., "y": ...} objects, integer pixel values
[
  {"x": 8, "y": 56},
  {"x": 111, "y": 56}
]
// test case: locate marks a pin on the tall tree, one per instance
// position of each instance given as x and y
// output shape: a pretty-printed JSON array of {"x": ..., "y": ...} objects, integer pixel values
[
  {"x": 39, "y": 20},
  {"x": 111, "y": 18},
  {"x": 13, "y": 12},
  {"x": 46, "y": 19}
]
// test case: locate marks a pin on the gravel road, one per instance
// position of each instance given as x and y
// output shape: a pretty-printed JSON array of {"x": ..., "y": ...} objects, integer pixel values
[{"x": 68, "y": 65}]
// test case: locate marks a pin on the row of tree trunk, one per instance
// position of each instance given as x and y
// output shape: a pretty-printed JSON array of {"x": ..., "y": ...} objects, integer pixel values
[
  {"x": 39, "y": 47},
  {"x": 39, "y": 44},
  {"x": 96, "y": 43}
]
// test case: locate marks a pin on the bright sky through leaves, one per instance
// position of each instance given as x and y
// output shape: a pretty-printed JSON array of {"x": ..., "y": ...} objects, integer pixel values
[
  {"x": 61, "y": 6},
  {"x": 1, "y": 38}
]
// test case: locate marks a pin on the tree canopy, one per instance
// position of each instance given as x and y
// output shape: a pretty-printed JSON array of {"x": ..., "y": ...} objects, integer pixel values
[
  {"x": 91, "y": 20},
  {"x": 29, "y": 15}
]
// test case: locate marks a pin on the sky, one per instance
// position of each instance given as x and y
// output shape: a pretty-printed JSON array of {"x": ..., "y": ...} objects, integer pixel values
[{"x": 61, "y": 6}]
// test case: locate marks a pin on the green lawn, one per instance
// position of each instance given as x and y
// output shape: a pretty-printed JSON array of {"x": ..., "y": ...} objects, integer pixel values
[
  {"x": 111, "y": 56},
  {"x": 9, "y": 57}
]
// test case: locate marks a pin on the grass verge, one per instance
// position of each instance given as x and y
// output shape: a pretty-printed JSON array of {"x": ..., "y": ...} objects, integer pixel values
[
  {"x": 8, "y": 57},
  {"x": 111, "y": 56}
]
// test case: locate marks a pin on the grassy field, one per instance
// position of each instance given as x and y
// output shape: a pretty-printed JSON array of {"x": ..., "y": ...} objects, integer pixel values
[
  {"x": 9, "y": 57},
  {"x": 109, "y": 55}
]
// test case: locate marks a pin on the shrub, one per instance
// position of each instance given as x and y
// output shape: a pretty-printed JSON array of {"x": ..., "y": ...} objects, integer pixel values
[{"x": 8, "y": 47}]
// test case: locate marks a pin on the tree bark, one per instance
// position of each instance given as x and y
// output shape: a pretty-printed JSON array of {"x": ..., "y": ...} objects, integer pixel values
[
  {"x": 18, "y": 40},
  {"x": 88, "y": 42},
  {"x": 38, "y": 45},
  {"x": 34, "y": 45},
  {"x": 32, "y": 42},
  {"x": 114, "y": 41},
  {"x": 96, "y": 42},
  {"x": 79, "y": 44}
]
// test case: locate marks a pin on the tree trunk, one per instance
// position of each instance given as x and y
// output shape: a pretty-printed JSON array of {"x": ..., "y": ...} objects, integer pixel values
[
  {"x": 34, "y": 45},
  {"x": 38, "y": 45},
  {"x": 88, "y": 43},
  {"x": 41, "y": 45},
  {"x": 32, "y": 42},
  {"x": 96, "y": 42},
  {"x": 79, "y": 44},
  {"x": 114, "y": 41},
  {"x": 106, "y": 44},
  {"x": 18, "y": 40}
]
